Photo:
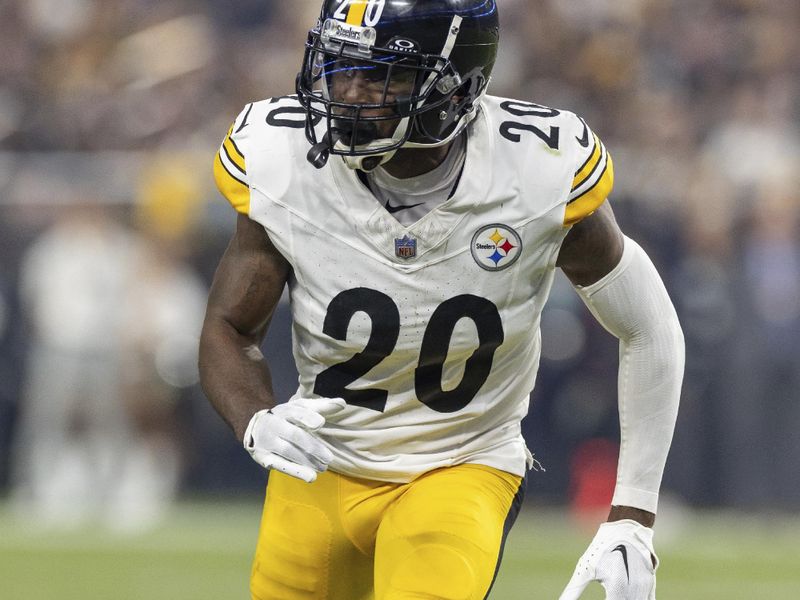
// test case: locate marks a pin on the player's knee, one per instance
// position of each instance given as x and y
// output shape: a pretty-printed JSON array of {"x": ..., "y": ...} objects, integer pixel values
[
  {"x": 434, "y": 571},
  {"x": 268, "y": 582}
]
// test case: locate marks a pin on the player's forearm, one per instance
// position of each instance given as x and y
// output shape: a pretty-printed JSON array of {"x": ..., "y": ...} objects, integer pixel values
[
  {"x": 631, "y": 303},
  {"x": 233, "y": 373},
  {"x": 650, "y": 374}
]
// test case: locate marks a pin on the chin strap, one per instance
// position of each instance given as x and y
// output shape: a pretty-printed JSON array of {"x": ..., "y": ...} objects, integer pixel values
[
  {"x": 368, "y": 163},
  {"x": 319, "y": 153},
  {"x": 373, "y": 161}
]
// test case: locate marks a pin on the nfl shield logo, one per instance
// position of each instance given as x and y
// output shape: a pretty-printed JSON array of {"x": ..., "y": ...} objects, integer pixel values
[{"x": 406, "y": 247}]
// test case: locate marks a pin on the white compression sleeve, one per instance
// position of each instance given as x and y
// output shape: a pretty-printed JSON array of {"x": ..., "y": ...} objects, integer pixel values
[{"x": 632, "y": 304}]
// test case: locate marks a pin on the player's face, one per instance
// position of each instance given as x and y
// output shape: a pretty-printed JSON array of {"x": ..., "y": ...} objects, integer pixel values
[{"x": 363, "y": 83}]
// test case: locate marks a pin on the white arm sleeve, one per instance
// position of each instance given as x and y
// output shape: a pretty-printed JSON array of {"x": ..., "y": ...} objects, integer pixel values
[{"x": 632, "y": 304}]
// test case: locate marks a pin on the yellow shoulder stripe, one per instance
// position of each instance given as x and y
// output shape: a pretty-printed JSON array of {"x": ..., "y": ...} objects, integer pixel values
[
  {"x": 590, "y": 165},
  {"x": 590, "y": 200},
  {"x": 236, "y": 191},
  {"x": 233, "y": 153}
]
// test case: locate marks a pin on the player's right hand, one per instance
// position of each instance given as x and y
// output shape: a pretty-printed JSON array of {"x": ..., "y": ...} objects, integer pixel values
[{"x": 284, "y": 437}]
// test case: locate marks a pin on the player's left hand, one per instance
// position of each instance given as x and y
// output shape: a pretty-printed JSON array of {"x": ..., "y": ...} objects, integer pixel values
[{"x": 622, "y": 559}]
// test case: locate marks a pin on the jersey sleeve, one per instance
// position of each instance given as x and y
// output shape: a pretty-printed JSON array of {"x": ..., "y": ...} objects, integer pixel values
[
  {"x": 230, "y": 168},
  {"x": 594, "y": 177}
]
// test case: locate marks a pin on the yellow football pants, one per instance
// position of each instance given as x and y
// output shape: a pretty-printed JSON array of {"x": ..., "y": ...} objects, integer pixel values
[{"x": 439, "y": 537}]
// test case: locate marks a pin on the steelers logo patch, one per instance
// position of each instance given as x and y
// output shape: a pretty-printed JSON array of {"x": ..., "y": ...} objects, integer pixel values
[{"x": 496, "y": 247}]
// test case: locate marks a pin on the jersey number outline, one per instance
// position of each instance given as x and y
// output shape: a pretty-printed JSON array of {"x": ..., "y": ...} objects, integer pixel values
[
  {"x": 385, "y": 318},
  {"x": 529, "y": 109}
]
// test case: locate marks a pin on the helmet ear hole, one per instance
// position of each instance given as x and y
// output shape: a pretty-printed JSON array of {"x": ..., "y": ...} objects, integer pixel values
[{"x": 438, "y": 123}]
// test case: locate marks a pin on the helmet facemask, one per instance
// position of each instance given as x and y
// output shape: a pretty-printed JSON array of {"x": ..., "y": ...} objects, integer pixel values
[{"x": 403, "y": 93}]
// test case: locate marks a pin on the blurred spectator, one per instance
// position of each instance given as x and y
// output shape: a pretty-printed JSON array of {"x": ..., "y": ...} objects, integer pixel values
[
  {"x": 115, "y": 319},
  {"x": 762, "y": 412}
]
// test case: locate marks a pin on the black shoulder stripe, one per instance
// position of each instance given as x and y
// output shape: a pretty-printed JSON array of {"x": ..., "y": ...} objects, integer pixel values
[
  {"x": 594, "y": 185},
  {"x": 588, "y": 158},
  {"x": 235, "y": 147},
  {"x": 244, "y": 120},
  {"x": 233, "y": 175},
  {"x": 589, "y": 176},
  {"x": 230, "y": 158}
]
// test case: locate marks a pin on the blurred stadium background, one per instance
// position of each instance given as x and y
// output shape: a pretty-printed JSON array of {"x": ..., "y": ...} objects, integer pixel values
[{"x": 118, "y": 480}]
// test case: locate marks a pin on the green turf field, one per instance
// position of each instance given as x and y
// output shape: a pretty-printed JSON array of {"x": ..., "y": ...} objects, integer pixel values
[{"x": 203, "y": 553}]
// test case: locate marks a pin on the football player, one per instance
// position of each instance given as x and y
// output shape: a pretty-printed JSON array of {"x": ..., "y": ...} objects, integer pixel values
[{"x": 417, "y": 223}]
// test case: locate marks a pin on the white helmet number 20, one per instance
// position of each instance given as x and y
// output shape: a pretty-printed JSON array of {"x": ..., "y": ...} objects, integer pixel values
[{"x": 349, "y": 11}]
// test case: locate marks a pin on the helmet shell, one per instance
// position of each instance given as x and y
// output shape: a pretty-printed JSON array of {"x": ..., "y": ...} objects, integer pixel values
[{"x": 455, "y": 40}]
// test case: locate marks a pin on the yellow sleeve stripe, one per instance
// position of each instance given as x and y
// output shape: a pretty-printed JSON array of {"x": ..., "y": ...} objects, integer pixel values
[
  {"x": 588, "y": 167},
  {"x": 235, "y": 190},
  {"x": 233, "y": 153},
  {"x": 590, "y": 200},
  {"x": 231, "y": 167}
]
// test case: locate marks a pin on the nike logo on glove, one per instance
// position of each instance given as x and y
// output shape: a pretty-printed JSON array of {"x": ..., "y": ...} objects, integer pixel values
[
  {"x": 624, "y": 551},
  {"x": 394, "y": 209}
]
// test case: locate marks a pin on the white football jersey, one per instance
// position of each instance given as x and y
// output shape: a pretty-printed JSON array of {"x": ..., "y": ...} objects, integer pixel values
[{"x": 430, "y": 332}]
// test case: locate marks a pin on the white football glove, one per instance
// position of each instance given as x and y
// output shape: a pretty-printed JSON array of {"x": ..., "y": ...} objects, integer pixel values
[
  {"x": 283, "y": 437},
  {"x": 619, "y": 557}
]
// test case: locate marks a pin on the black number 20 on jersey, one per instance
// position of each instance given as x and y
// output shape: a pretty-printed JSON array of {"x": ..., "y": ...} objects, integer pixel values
[
  {"x": 510, "y": 129},
  {"x": 385, "y": 318}
]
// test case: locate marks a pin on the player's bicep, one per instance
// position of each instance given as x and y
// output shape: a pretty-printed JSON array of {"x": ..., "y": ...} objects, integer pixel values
[
  {"x": 592, "y": 248},
  {"x": 249, "y": 281}
]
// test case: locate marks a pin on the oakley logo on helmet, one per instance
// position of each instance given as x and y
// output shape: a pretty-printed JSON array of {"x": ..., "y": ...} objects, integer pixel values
[{"x": 398, "y": 44}]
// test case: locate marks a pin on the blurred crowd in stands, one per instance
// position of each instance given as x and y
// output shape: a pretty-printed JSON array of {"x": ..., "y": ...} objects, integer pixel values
[{"x": 110, "y": 228}]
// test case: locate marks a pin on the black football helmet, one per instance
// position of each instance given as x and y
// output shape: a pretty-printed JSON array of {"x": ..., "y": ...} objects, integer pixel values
[{"x": 430, "y": 61}]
